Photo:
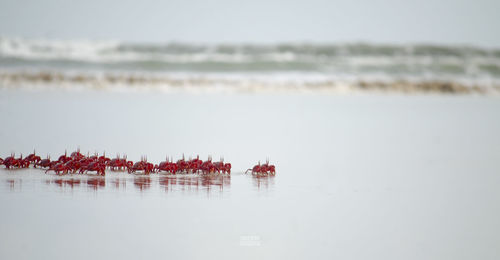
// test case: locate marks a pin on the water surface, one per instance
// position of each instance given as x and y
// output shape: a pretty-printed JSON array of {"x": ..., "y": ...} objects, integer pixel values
[{"x": 358, "y": 177}]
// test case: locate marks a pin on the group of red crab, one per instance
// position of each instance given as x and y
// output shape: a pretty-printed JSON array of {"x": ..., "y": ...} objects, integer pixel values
[
  {"x": 76, "y": 162},
  {"x": 263, "y": 169}
]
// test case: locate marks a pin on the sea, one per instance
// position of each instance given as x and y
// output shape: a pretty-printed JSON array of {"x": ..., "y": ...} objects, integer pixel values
[{"x": 245, "y": 67}]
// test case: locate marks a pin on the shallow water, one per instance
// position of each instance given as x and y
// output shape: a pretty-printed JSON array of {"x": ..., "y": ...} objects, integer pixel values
[{"x": 358, "y": 177}]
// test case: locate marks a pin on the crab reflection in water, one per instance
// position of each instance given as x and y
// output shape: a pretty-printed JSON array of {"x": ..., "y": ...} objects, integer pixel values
[
  {"x": 93, "y": 183},
  {"x": 14, "y": 184},
  {"x": 142, "y": 182},
  {"x": 195, "y": 182},
  {"x": 263, "y": 181},
  {"x": 96, "y": 183},
  {"x": 119, "y": 183},
  {"x": 64, "y": 183}
]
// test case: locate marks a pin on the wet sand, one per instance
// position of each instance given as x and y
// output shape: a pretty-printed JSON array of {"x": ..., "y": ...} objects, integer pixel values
[
  {"x": 147, "y": 82},
  {"x": 358, "y": 177}
]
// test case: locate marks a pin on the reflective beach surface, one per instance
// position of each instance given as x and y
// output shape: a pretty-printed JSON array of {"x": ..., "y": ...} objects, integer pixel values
[
  {"x": 358, "y": 177},
  {"x": 34, "y": 179}
]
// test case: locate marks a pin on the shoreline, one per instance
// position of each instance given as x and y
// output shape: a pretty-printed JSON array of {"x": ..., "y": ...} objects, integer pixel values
[{"x": 50, "y": 80}]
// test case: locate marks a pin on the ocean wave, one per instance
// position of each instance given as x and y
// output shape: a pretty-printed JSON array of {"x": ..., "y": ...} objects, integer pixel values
[
  {"x": 243, "y": 63},
  {"x": 318, "y": 57}
]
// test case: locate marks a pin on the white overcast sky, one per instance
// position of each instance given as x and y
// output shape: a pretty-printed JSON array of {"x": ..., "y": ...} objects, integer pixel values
[{"x": 258, "y": 21}]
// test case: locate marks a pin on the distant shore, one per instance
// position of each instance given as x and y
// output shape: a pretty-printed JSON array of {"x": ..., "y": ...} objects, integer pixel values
[{"x": 208, "y": 84}]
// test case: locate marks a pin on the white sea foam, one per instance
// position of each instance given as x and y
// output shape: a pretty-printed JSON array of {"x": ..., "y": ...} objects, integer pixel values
[
  {"x": 296, "y": 66},
  {"x": 84, "y": 50}
]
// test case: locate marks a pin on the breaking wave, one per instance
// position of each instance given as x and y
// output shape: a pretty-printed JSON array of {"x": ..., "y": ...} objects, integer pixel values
[{"x": 27, "y": 61}]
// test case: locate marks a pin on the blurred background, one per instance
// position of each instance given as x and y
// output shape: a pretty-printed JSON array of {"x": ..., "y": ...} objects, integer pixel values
[{"x": 313, "y": 46}]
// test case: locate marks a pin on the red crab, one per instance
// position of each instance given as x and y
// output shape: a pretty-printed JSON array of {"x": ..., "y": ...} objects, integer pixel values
[
  {"x": 59, "y": 168},
  {"x": 98, "y": 167},
  {"x": 45, "y": 163},
  {"x": 167, "y": 166},
  {"x": 263, "y": 169},
  {"x": 267, "y": 168},
  {"x": 115, "y": 163},
  {"x": 208, "y": 167},
  {"x": 142, "y": 165},
  {"x": 84, "y": 163},
  {"x": 164, "y": 166},
  {"x": 64, "y": 158},
  {"x": 182, "y": 165},
  {"x": 77, "y": 155},
  {"x": 33, "y": 159},
  {"x": 11, "y": 161},
  {"x": 194, "y": 164},
  {"x": 222, "y": 167},
  {"x": 227, "y": 168},
  {"x": 22, "y": 162},
  {"x": 119, "y": 163},
  {"x": 74, "y": 165},
  {"x": 219, "y": 166},
  {"x": 255, "y": 169},
  {"x": 103, "y": 158}
]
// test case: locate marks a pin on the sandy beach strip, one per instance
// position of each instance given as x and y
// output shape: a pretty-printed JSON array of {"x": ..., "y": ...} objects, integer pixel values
[{"x": 211, "y": 84}]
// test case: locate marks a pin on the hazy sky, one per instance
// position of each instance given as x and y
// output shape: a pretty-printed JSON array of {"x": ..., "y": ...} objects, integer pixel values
[{"x": 388, "y": 21}]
